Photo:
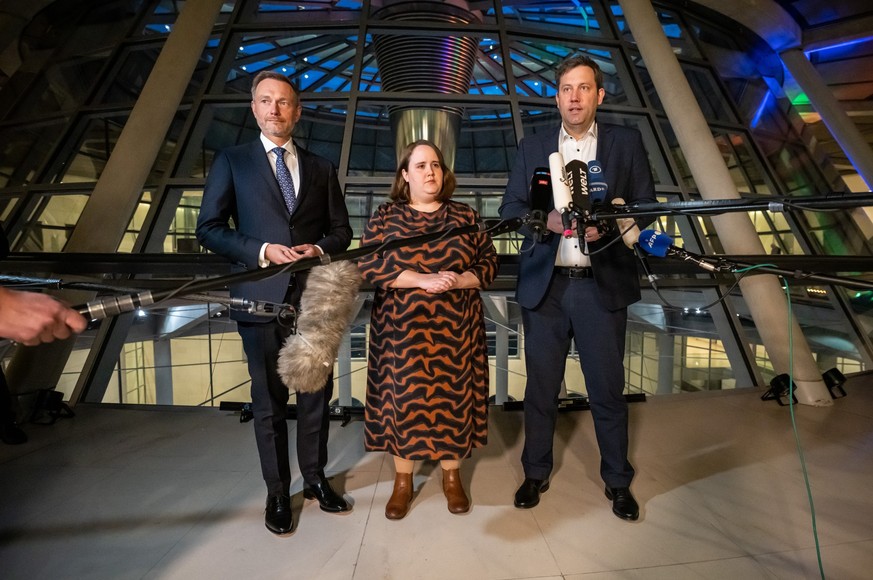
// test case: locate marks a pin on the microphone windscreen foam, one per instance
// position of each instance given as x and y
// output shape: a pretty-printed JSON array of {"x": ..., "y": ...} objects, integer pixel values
[{"x": 655, "y": 243}]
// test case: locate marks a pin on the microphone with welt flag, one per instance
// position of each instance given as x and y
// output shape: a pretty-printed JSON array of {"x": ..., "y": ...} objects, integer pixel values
[
  {"x": 661, "y": 245},
  {"x": 540, "y": 196},
  {"x": 577, "y": 177},
  {"x": 561, "y": 192}
]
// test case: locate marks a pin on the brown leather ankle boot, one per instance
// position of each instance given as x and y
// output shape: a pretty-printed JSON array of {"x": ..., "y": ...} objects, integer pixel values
[
  {"x": 398, "y": 505},
  {"x": 454, "y": 490}
]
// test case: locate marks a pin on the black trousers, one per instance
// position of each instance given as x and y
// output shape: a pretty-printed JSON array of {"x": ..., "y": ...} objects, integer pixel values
[
  {"x": 262, "y": 342},
  {"x": 572, "y": 310},
  {"x": 7, "y": 417}
]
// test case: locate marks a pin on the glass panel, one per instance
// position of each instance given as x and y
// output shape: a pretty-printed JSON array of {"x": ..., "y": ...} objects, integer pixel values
[
  {"x": 96, "y": 142},
  {"x": 52, "y": 223},
  {"x": 136, "y": 66},
  {"x": 372, "y": 143},
  {"x": 196, "y": 360},
  {"x": 311, "y": 10},
  {"x": 23, "y": 150},
  {"x": 74, "y": 365},
  {"x": 674, "y": 30},
  {"x": 486, "y": 144},
  {"x": 221, "y": 126},
  {"x": 489, "y": 74},
  {"x": 825, "y": 329},
  {"x": 7, "y": 205},
  {"x": 181, "y": 238},
  {"x": 708, "y": 94},
  {"x": 134, "y": 227},
  {"x": 533, "y": 64},
  {"x": 92, "y": 151},
  {"x": 361, "y": 203},
  {"x": 161, "y": 21},
  {"x": 570, "y": 17},
  {"x": 64, "y": 86},
  {"x": 314, "y": 62},
  {"x": 321, "y": 129}
]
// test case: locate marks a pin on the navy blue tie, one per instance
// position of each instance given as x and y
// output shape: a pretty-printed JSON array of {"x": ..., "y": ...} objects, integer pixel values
[{"x": 283, "y": 176}]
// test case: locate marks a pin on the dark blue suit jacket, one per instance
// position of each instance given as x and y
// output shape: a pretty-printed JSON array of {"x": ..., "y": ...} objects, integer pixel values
[
  {"x": 241, "y": 186},
  {"x": 626, "y": 170}
]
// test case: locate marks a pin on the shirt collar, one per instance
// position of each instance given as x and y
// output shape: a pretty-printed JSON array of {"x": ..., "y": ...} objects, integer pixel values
[
  {"x": 269, "y": 145},
  {"x": 590, "y": 134}
]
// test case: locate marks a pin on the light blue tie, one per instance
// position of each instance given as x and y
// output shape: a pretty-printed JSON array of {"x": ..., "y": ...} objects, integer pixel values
[{"x": 286, "y": 184}]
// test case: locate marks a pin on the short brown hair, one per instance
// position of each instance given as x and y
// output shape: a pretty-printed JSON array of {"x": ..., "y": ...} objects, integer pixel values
[
  {"x": 268, "y": 74},
  {"x": 400, "y": 189},
  {"x": 575, "y": 60}
]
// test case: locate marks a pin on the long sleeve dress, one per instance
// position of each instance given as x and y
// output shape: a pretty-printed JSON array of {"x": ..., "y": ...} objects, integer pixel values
[{"x": 427, "y": 374}]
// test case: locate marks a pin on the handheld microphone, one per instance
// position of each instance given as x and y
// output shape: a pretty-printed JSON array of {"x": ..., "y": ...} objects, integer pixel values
[
  {"x": 597, "y": 187},
  {"x": 577, "y": 176},
  {"x": 661, "y": 245},
  {"x": 540, "y": 194},
  {"x": 598, "y": 191},
  {"x": 561, "y": 191}
]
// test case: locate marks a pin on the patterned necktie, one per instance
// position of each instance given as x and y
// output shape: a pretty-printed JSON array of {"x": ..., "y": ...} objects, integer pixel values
[{"x": 286, "y": 184}]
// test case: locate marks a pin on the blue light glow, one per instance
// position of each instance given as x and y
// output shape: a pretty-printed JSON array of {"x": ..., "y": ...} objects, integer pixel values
[{"x": 757, "y": 118}]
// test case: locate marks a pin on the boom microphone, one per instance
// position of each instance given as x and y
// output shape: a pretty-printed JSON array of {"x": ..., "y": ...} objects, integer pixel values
[
  {"x": 630, "y": 235},
  {"x": 627, "y": 227},
  {"x": 661, "y": 245},
  {"x": 540, "y": 195},
  {"x": 561, "y": 191}
]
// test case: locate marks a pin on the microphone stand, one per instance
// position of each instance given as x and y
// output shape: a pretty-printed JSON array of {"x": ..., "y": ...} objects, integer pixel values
[
  {"x": 717, "y": 206},
  {"x": 117, "y": 305},
  {"x": 731, "y": 266}
]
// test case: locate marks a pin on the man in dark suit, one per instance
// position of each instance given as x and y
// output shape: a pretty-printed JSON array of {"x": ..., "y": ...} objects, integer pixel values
[
  {"x": 567, "y": 290},
  {"x": 286, "y": 205}
]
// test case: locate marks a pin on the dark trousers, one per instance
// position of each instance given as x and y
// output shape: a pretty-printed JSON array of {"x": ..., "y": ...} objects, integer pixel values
[
  {"x": 262, "y": 342},
  {"x": 7, "y": 417},
  {"x": 573, "y": 310}
]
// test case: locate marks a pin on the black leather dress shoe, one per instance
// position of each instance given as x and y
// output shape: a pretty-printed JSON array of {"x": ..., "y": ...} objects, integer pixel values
[
  {"x": 623, "y": 503},
  {"x": 328, "y": 499},
  {"x": 278, "y": 517},
  {"x": 528, "y": 495},
  {"x": 12, "y": 435}
]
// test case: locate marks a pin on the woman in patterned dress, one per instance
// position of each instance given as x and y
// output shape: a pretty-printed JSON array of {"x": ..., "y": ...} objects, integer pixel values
[{"x": 427, "y": 375}]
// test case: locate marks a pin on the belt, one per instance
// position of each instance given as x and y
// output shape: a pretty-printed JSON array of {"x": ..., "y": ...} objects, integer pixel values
[{"x": 575, "y": 273}]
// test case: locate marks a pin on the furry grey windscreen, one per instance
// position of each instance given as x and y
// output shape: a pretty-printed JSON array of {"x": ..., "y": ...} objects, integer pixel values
[{"x": 326, "y": 308}]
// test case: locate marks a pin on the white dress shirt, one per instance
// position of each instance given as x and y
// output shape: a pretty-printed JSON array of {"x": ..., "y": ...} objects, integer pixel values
[
  {"x": 293, "y": 167},
  {"x": 570, "y": 255}
]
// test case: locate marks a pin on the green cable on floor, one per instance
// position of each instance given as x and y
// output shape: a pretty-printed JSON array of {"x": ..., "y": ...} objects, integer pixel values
[{"x": 794, "y": 428}]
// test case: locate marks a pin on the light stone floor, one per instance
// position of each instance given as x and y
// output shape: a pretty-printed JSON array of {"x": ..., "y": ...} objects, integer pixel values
[{"x": 176, "y": 493}]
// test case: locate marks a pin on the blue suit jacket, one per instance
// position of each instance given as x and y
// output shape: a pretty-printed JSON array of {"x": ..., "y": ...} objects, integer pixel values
[
  {"x": 241, "y": 186},
  {"x": 626, "y": 170}
]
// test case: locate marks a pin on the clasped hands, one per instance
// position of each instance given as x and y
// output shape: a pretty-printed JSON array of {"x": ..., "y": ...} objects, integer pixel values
[
  {"x": 279, "y": 254},
  {"x": 439, "y": 282}
]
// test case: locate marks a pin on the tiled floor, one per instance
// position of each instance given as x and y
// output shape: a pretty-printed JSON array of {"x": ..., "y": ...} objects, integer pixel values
[{"x": 150, "y": 493}]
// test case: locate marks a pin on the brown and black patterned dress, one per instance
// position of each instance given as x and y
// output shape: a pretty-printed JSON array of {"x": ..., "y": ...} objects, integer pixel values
[{"x": 427, "y": 375}]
